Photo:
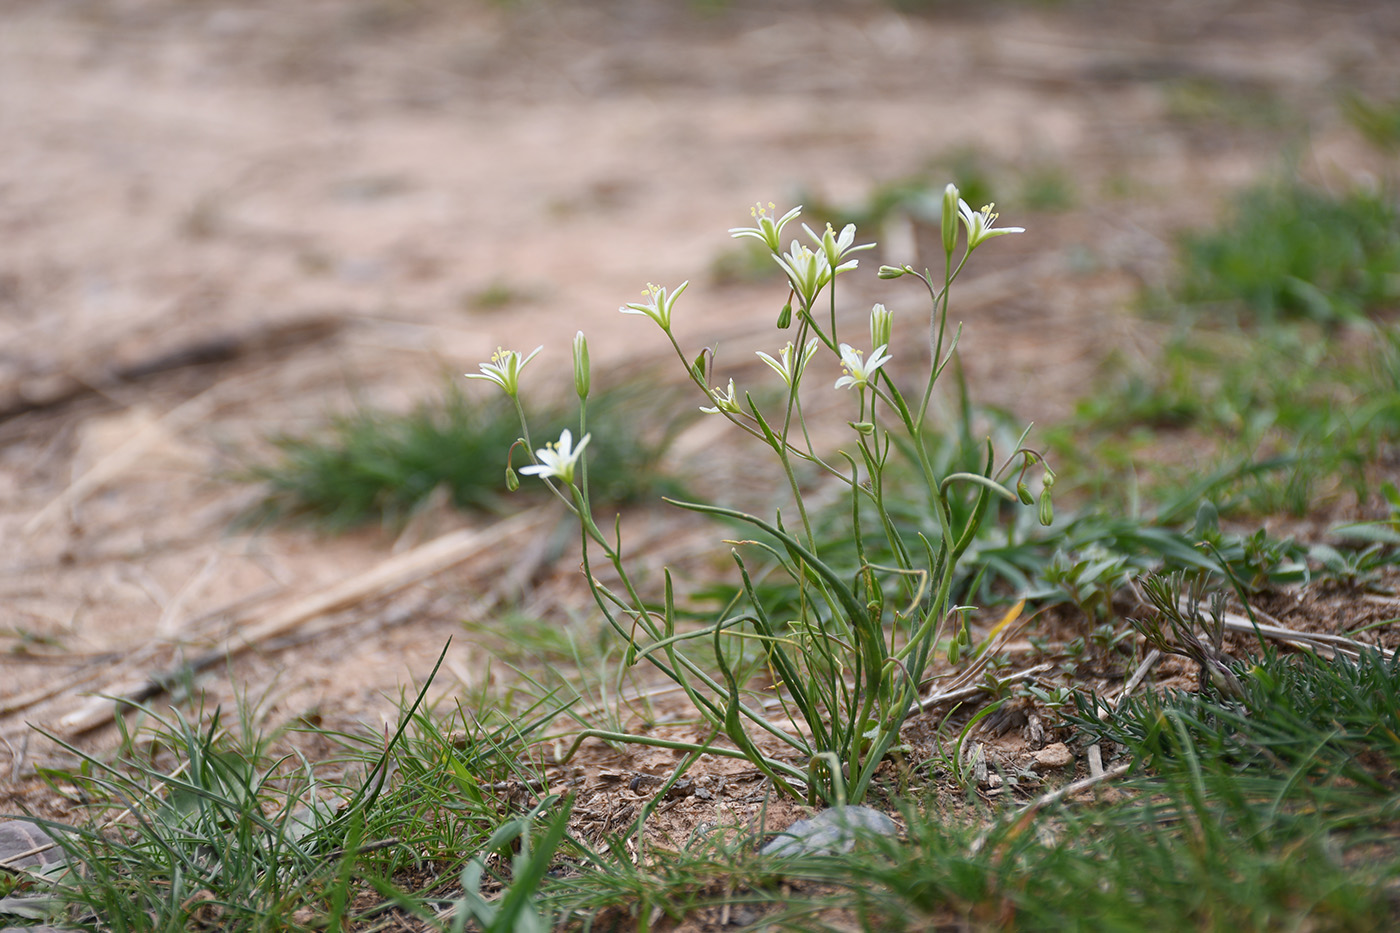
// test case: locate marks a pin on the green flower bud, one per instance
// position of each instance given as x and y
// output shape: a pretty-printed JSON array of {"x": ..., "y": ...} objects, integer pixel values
[
  {"x": 512, "y": 480},
  {"x": 785, "y": 316},
  {"x": 1024, "y": 493},
  {"x": 581, "y": 369},
  {"x": 881, "y": 325},
  {"x": 1047, "y": 508},
  {"x": 1048, "y": 480},
  {"x": 697, "y": 369},
  {"x": 892, "y": 272},
  {"x": 862, "y": 427},
  {"x": 950, "y": 218}
]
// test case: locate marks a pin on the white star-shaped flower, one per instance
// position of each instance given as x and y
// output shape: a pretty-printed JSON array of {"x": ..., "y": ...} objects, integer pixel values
[
  {"x": 558, "y": 459},
  {"x": 979, "y": 224},
  {"x": 724, "y": 401},
  {"x": 836, "y": 247},
  {"x": 769, "y": 231},
  {"x": 784, "y": 366},
  {"x": 658, "y": 304},
  {"x": 858, "y": 371},
  {"x": 504, "y": 369}
]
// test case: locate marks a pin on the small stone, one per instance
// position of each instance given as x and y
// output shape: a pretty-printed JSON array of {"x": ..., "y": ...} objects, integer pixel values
[
  {"x": 830, "y": 831},
  {"x": 1055, "y": 755}
]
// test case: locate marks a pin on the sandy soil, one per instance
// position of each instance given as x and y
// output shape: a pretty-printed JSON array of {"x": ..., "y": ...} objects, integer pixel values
[{"x": 224, "y": 221}]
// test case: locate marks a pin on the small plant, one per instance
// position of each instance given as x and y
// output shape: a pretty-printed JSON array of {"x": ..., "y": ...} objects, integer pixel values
[
  {"x": 1177, "y": 616},
  {"x": 848, "y": 663},
  {"x": 1088, "y": 580}
]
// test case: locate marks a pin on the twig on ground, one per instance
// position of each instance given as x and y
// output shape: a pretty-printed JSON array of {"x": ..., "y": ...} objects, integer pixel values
[{"x": 390, "y": 576}]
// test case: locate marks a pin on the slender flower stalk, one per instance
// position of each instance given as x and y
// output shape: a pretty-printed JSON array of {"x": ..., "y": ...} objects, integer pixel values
[{"x": 504, "y": 369}]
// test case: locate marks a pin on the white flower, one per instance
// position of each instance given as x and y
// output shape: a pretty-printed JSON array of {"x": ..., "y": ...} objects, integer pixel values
[
  {"x": 504, "y": 369},
  {"x": 557, "y": 460},
  {"x": 858, "y": 372},
  {"x": 770, "y": 231},
  {"x": 979, "y": 224},
  {"x": 808, "y": 271},
  {"x": 724, "y": 401},
  {"x": 784, "y": 365},
  {"x": 657, "y": 306},
  {"x": 836, "y": 247}
]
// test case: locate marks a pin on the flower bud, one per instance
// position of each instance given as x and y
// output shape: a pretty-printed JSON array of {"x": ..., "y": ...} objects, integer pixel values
[
  {"x": 892, "y": 272},
  {"x": 785, "y": 316},
  {"x": 950, "y": 218},
  {"x": 581, "y": 369},
  {"x": 698, "y": 369},
  {"x": 1023, "y": 492},
  {"x": 880, "y": 326},
  {"x": 1047, "y": 508},
  {"x": 512, "y": 480},
  {"x": 862, "y": 427},
  {"x": 1048, "y": 480}
]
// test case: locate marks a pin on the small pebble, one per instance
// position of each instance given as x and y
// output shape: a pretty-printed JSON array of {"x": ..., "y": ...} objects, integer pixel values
[
  {"x": 1055, "y": 755},
  {"x": 830, "y": 831}
]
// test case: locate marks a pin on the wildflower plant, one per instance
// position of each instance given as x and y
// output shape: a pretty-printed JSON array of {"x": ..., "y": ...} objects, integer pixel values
[{"x": 848, "y": 667}]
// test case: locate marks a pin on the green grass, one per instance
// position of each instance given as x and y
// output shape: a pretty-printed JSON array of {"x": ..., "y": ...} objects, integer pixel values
[
  {"x": 1272, "y": 809},
  {"x": 1282, "y": 372},
  {"x": 372, "y": 466},
  {"x": 1289, "y": 250},
  {"x": 196, "y": 826},
  {"x": 1377, "y": 120}
]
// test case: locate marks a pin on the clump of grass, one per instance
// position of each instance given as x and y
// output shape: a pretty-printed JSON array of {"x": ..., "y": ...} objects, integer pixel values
[
  {"x": 196, "y": 826},
  {"x": 1377, "y": 120},
  {"x": 1288, "y": 413},
  {"x": 1289, "y": 250},
  {"x": 375, "y": 466}
]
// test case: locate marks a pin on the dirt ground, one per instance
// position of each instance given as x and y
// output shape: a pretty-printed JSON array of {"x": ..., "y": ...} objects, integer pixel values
[{"x": 219, "y": 222}]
